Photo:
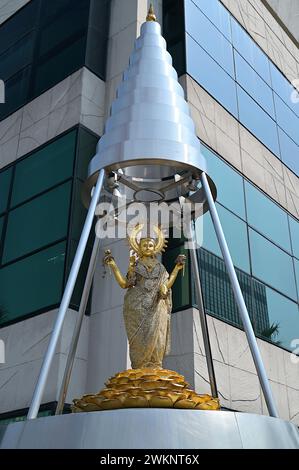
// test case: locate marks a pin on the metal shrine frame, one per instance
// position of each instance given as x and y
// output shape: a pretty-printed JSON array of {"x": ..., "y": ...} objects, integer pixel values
[{"x": 149, "y": 118}]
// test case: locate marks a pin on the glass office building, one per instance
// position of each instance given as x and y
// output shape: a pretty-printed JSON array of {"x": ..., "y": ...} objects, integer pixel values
[{"x": 61, "y": 62}]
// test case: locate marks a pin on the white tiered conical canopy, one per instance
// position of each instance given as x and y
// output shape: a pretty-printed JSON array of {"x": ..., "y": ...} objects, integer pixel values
[{"x": 149, "y": 143}]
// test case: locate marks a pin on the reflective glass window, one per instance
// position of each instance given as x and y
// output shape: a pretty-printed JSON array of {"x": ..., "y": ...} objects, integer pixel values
[
  {"x": 211, "y": 76},
  {"x": 284, "y": 88},
  {"x": 67, "y": 60},
  {"x": 44, "y": 186},
  {"x": 35, "y": 224},
  {"x": 18, "y": 25},
  {"x": 216, "y": 12},
  {"x": 296, "y": 264},
  {"x": 229, "y": 183},
  {"x": 62, "y": 20},
  {"x": 5, "y": 180},
  {"x": 62, "y": 41},
  {"x": 236, "y": 236},
  {"x": 255, "y": 86},
  {"x": 208, "y": 37},
  {"x": 250, "y": 51},
  {"x": 16, "y": 57},
  {"x": 174, "y": 32},
  {"x": 257, "y": 121},
  {"x": 87, "y": 144},
  {"x": 32, "y": 283},
  {"x": 294, "y": 229},
  {"x": 267, "y": 217},
  {"x": 79, "y": 211},
  {"x": 1, "y": 227},
  {"x": 274, "y": 317},
  {"x": 76, "y": 297},
  {"x": 289, "y": 151},
  {"x": 272, "y": 265},
  {"x": 286, "y": 119},
  {"x": 23, "y": 417},
  {"x": 45, "y": 168},
  {"x": 16, "y": 92},
  {"x": 46, "y": 41},
  {"x": 217, "y": 291},
  {"x": 281, "y": 316},
  {"x": 96, "y": 52},
  {"x": 97, "y": 37}
]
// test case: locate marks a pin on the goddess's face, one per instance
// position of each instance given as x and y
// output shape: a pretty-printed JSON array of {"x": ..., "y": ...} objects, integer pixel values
[{"x": 147, "y": 247}]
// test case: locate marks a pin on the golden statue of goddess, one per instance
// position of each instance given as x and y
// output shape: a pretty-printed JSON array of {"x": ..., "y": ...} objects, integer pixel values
[
  {"x": 147, "y": 309},
  {"x": 147, "y": 303}
]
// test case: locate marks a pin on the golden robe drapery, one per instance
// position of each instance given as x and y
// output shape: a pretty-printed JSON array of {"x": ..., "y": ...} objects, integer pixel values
[{"x": 147, "y": 316}]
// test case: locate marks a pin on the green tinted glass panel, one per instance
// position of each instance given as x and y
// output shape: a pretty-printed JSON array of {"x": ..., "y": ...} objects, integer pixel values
[
  {"x": 16, "y": 57},
  {"x": 48, "y": 40},
  {"x": 16, "y": 92},
  {"x": 267, "y": 217},
  {"x": 235, "y": 232},
  {"x": 282, "y": 319},
  {"x": 181, "y": 287},
  {"x": 37, "y": 223},
  {"x": 294, "y": 228},
  {"x": 96, "y": 51},
  {"x": 32, "y": 283},
  {"x": 61, "y": 25},
  {"x": 55, "y": 68},
  {"x": 1, "y": 227},
  {"x": 76, "y": 297},
  {"x": 272, "y": 265},
  {"x": 18, "y": 25},
  {"x": 45, "y": 168},
  {"x": 16, "y": 419},
  {"x": 78, "y": 213},
  {"x": 230, "y": 191},
  {"x": 5, "y": 179},
  {"x": 87, "y": 143}
]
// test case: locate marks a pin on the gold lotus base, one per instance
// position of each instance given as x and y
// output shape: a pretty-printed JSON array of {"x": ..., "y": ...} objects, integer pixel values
[{"x": 145, "y": 388}]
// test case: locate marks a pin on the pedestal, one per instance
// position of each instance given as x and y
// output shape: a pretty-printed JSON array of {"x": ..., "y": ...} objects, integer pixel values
[{"x": 151, "y": 429}]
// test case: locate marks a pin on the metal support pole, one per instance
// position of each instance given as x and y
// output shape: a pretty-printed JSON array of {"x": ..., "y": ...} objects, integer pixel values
[
  {"x": 45, "y": 368},
  {"x": 261, "y": 372},
  {"x": 75, "y": 338},
  {"x": 202, "y": 313}
]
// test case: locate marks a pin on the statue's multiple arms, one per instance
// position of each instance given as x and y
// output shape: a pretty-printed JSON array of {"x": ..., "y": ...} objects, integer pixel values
[{"x": 124, "y": 283}]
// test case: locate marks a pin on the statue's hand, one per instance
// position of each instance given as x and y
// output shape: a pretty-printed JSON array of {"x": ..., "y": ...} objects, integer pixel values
[
  {"x": 108, "y": 259},
  {"x": 132, "y": 262},
  {"x": 180, "y": 262},
  {"x": 163, "y": 291}
]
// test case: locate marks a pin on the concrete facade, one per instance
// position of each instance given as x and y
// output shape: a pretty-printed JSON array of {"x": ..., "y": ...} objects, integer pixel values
[
  {"x": 84, "y": 98},
  {"x": 288, "y": 12}
]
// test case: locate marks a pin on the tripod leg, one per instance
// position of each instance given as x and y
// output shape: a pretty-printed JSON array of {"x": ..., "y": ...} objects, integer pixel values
[
  {"x": 75, "y": 338},
  {"x": 48, "y": 359},
  {"x": 257, "y": 358}
]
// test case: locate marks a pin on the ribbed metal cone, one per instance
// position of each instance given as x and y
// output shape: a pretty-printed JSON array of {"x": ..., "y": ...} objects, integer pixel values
[{"x": 150, "y": 136}]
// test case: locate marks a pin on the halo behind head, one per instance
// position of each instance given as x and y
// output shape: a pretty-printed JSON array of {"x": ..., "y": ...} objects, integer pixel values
[{"x": 160, "y": 242}]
